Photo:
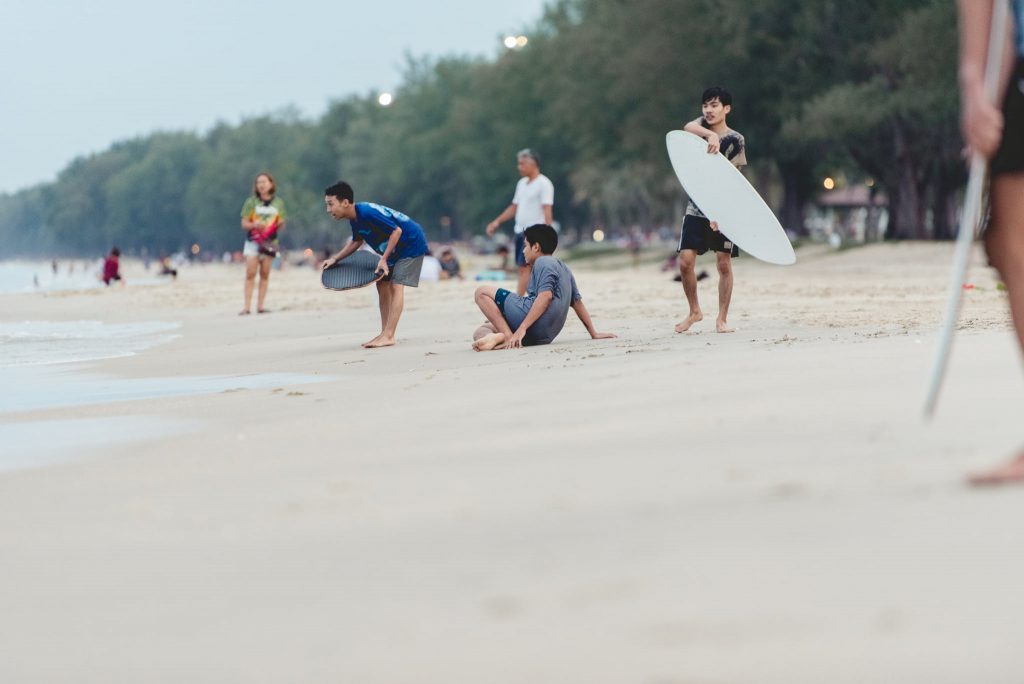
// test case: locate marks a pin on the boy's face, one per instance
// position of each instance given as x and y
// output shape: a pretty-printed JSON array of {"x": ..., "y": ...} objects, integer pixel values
[
  {"x": 714, "y": 111},
  {"x": 531, "y": 251},
  {"x": 337, "y": 208},
  {"x": 526, "y": 166}
]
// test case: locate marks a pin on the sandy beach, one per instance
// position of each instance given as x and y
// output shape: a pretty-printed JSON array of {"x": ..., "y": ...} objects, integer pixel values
[{"x": 761, "y": 507}]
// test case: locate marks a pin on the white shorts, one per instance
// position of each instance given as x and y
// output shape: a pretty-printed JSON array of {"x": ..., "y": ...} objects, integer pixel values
[{"x": 251, "y": 249}]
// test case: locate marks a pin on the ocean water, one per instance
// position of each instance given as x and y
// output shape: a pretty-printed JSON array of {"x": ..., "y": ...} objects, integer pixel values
[
  {"x": 27, "y": 276},
  {"x": 34, "y": 343}
]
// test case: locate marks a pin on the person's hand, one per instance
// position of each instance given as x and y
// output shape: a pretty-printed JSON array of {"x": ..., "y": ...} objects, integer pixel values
[
  {"x": 491, "y": 227},
  {"x": 382, "y": 266},
  {"x": 516, "y": 341},
  {"x": 603, "y": 336},
  {"x": 713, "y": 143},
  {"x": 254, "y": 234},
  {"x": 714, "y": 226},
  {"x": 982, "y": 126},
  {"x": 328, "y": 263}
]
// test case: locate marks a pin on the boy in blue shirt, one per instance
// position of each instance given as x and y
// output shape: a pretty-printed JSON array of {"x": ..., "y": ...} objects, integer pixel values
[
  {"x": 517, "y": 321},
  {"x": 398, "y": 240}
]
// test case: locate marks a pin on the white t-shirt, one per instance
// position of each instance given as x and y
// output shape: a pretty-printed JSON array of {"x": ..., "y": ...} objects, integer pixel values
[
  {"x": 431, "y": 270},
  {"x": 530, "y": 198}
]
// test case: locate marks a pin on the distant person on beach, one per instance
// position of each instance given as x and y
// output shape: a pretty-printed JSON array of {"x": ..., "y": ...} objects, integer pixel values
[
  {"x": 503, "y": 257},
  {"x": 263, "y": 218},
  {"x": 699, "y": 234},
  {"x": 398, "y": 240},
  {"x": 112, "y": 267},
  {"x": 537, "y": 318},
  {"x": 531, "y": 204},
  {"x": 450, "y": 267},
  {"x": 166, "y": 268},
  {"x": 997, "y": 133}
]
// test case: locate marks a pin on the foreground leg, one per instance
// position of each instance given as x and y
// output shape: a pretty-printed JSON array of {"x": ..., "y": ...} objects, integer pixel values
[
  {"x": 251, "y": 267},
  {"x": 495, "y": 332},
  {"x": 687, "y": 261},
  {"x": 724, "y": 291},
  {"x": 396, "y": 302},
  {"x": 265, "y": 264},
  {"x": 384, "y": 301}
]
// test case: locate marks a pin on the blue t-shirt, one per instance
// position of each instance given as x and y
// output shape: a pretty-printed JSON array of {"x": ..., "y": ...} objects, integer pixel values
[{"x": 374, "y": 224}]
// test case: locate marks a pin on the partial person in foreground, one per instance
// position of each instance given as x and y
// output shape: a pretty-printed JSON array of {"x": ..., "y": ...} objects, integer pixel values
[
  {"x": 531, "y": 204},
  {"x": 997, "y": 133},
  {"x": 263, "y": 217},
  {"x": 699, "y": 234},
  {"x": 539, "y": 316},
  {"x": 398, "y": 240}
]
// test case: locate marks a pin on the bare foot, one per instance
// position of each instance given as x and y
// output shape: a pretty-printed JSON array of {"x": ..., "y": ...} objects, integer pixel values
[
  {"x": 243, "y": 312},
  {"x": 1011, "y": 473},
  {"x": 489, "y": 342},
  {"x": 688, "y": 321},
  {"x": 380, "y": 342},
  {"x": 721, "y": 327},
  {"x": 369, "y": 343}
]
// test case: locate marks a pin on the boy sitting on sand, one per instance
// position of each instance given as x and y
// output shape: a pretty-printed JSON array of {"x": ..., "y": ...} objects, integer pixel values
[{"x": 537, "y": 318}]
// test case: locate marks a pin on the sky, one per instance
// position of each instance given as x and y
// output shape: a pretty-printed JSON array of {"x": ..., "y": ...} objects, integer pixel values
[{"x": 79, "y": 75}]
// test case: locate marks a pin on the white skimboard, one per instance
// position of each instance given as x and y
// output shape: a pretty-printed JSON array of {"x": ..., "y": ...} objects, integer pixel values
[{"x": 725, "y": 196}]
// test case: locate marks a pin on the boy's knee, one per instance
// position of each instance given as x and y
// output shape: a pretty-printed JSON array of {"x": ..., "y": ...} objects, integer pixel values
[
  {"x": 724, "y": 267},
  {"x": 686, "y": 264},
  {"x": 482, "y": 293}
]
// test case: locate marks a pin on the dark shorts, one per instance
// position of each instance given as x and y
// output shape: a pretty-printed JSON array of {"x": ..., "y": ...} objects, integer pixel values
[
  {"x": 1010, "y": 156},
  {"x": 698, "y": 236},
  {"x": 520, "y": 244},
  {"x": 499, "y": 298},
  {"x": 405, "y": 271}
]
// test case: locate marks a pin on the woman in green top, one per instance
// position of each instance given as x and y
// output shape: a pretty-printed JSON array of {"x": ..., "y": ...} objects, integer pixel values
[{"x": 262, "y": 219}]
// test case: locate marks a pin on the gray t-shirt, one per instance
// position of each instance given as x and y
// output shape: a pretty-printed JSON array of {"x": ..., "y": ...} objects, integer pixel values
[{"x": 549, "y": 275}]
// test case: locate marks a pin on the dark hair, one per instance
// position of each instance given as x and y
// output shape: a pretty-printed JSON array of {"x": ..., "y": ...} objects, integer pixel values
[
  {"x": 543, "y": 235},
  {"x": 529, "y": 154},
  {"x": 723, "y": 95},
  {"x": 502, "y": 248},
  {"x": 340, "y": 190},
  {"x": 273, "y": 184},
  {"x": 115, "y": 252}
]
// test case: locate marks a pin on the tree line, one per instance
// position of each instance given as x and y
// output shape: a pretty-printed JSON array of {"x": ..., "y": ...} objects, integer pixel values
[{"x": 853, "y": 90}]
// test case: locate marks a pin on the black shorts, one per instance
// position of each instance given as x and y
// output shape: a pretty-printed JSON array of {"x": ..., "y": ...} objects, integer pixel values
[
  {"x": 698, "y": 236},
  {"x": 1010, "y": 156}
]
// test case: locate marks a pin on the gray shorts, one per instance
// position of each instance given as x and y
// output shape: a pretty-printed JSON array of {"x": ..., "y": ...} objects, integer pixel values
[{"x": 405, "y": 271}]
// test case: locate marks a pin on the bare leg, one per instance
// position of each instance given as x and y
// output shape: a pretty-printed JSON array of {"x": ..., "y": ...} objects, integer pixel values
[
  {"x": 1004, "y": 243},
  {"x": 724, "y": 291},
  {"x": 251, "y": 267},
  {"x": 487, "y": 338},
  {"x": 524, "y": 279},
  {"x": 687, "y": 261},
  {"x": 384, "y": 300},
  {"x": 494, "y": 334},
  {"x": 396, "y": 302},
  {"x": 265, "y": 264}
]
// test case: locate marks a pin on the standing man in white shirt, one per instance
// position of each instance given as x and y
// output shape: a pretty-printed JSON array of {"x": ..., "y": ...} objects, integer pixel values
[{"x": 535, "y": 195}]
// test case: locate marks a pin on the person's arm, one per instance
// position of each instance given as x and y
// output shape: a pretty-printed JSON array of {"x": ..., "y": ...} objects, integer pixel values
[
  {"x": 350, "y": 248},
  {"x": 697, "y": 128},
  {"x": 510, "y": 212},
  {"x": 382, "y": 265},
  {"x": 981, "y": 119},
  {"x": 584, "y": 316},
  {"x": 540, "y": 305}
]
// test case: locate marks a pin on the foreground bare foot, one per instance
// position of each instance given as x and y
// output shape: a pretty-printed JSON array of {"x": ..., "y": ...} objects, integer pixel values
[
  {"x": 722, "y": 327},
  {"x": 376, "y": 339},
  {"x": 688, "y": 321},
  {"x": 380, "y": 342},
  {"x": 1011, "y": 473},
  {"x": 489, "y": 342}
]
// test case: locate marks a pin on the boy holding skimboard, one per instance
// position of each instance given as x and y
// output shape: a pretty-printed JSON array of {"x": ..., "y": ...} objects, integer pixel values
[
  {"x": 398, "y": 240},
  {"x": 538, "y": 317},
  {"x": 699, "y": 234}
]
